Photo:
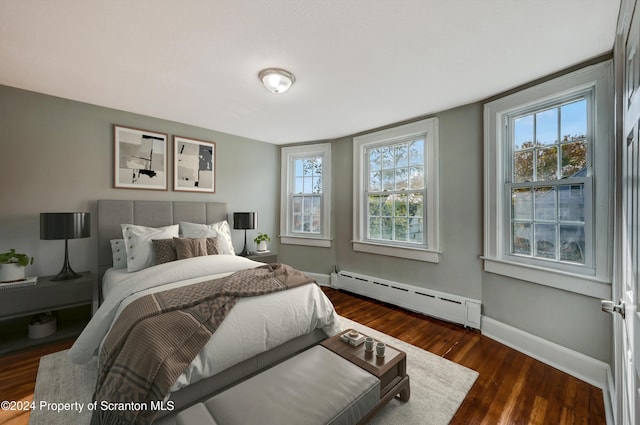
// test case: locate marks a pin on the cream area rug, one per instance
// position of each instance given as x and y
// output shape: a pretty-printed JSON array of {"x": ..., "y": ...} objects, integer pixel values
[{"x": 438, "y": 387}]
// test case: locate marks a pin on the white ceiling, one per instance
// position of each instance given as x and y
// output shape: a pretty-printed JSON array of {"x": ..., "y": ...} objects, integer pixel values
[{"x": 359, "y": 64}]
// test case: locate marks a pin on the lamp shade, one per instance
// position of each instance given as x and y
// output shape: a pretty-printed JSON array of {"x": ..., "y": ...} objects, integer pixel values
[
  {"x": 245, "y": 220},
  {"x": 66, "y": 225}
]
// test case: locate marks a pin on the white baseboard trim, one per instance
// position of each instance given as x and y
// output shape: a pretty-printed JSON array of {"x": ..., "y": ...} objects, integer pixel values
[
  {"x": 579, "y": 365},
  {"x": 322, "y": 279}
]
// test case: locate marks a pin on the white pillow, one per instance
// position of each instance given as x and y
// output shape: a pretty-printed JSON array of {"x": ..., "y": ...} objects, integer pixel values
[
  {"x": 118, "y": 253},
  {"x": 138, "y": 243},
  {"x": 221, "y": 230}
]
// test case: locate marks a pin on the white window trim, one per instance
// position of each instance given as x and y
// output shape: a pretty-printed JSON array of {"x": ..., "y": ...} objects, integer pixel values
[
  {"x": 592, "y": 281},
  {"x": 288, "y": 154},
  {"x": 430, "y": 253}
]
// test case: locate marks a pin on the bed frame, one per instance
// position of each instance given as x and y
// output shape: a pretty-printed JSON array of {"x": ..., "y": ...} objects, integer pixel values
[{"x": 113, "y": 213}]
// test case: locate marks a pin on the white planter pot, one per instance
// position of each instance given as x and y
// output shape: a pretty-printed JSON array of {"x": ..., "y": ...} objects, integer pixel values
[
  {"x": 10, "y": 272},
  {"x": 262, "y": 246}
]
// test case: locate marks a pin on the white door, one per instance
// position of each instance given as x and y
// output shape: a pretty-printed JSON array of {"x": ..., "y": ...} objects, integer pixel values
[{"x": 625, "y": 291}]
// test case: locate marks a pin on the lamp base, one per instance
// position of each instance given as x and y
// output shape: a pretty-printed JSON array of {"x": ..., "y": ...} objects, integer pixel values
[{"x": 66, "y": 274}]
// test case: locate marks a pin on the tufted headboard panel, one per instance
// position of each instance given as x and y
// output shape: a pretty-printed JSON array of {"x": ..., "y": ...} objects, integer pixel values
[{"x": 113, "y": 213}]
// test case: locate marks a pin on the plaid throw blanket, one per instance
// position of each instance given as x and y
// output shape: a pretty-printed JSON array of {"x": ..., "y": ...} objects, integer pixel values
[{"x": 157, "y": 336}]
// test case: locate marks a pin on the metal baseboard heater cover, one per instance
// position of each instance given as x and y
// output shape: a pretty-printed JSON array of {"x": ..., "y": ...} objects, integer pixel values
[{"x": 449, "y": 307}]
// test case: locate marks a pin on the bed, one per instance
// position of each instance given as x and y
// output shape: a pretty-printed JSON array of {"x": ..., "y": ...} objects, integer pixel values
[{"x": 259, "y": 331}]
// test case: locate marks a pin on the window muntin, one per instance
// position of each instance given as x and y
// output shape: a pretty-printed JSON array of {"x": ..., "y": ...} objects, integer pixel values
[
  {"x": 548, "y": 182},
  {"x": 307, "y": 195},
  {"x": 396, "y": 192},
  {"x": 395, "y": 203},
  {"x": 305, "y": 212}
]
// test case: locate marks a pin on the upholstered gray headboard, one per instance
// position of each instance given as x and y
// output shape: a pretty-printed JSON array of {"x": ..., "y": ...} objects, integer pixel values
[{"x": 113, "y": 213}]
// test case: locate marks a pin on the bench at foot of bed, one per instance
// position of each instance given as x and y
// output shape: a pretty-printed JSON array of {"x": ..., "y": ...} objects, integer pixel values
[{"x": 316, "y": 386}]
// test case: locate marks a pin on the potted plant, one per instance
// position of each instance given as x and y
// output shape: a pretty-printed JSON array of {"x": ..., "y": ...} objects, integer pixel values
[
  {"x": 12, "y": 265},
  {"x": 261, "y": 241}
]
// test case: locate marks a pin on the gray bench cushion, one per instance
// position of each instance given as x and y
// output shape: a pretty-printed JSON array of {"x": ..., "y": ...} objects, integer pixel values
[{"x": 315, "y": 387}]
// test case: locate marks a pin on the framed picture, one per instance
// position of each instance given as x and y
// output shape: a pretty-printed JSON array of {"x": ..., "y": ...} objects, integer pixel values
[
  {"x": 140, "y": 158},
  {"x": 194, "y": 165}
]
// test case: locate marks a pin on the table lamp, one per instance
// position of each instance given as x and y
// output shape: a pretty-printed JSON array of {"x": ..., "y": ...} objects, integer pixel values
[
  {"x": 66, "y": 225},
  {"x": 245, "y": 221}
]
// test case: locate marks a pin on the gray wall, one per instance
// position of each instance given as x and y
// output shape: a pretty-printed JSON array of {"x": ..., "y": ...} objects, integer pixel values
[
  {"x": 568, "y": 319},
  {"x": 57, "y": 155}
]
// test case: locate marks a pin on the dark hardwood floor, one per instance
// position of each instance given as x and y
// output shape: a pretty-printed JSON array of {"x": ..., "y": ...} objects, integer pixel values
[{"x": 512, "y": 388}]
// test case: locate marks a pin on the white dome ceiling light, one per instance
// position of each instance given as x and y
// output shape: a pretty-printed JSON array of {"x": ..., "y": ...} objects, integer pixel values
[{"x": 276, "y": 80}]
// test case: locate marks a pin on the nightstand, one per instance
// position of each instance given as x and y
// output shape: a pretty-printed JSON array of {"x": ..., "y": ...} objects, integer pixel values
[
  {"x": 71, "y": 299},
  {"x": 264, "y": 257}
]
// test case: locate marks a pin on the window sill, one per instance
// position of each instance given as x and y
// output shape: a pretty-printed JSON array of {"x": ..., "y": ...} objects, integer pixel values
[
  {"x": 299, "y": 240},
  {"x": 585, "y": 285},
  {"x": 396, "y": 251}
]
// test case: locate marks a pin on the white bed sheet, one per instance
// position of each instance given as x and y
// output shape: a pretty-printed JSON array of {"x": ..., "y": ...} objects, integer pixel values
[{"x": 254, "y": 324}]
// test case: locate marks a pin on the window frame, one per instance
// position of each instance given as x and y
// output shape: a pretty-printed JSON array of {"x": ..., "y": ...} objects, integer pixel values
[
  {"x": 594, "y": 278},
  {"x": 288, "y": 155},
  {"x": 429, "y": 250}
]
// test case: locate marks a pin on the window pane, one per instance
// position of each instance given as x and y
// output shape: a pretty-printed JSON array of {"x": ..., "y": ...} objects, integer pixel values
[
  {"x": 521, "y": 238},
  {"x": 574, "y": 159},
  {"x": 402, "y": 178},
  {"x": 299, "y": 185},
  {"x": 521, "y": 204},
  {"x": 387, "y": 179},
  {"x": 402, "y": 155},
  {"x": 316, "y": 205},
  {"x": 416, "y": 152},
  {"x": 523, "y": 166},
  {"x": 547, "y": 164},
  {"x": 375, "y": 159},
  {"x": 375, "y": 231},
  {"x": 545, "y": 240},
  {"x": 387, "y": 157},
  {"x": 572, "y": 244},
  {"x": 545, "y": 203},
  {"x": 523, "y": 132},
  {"x": 547, "y": 127},
  {"x": 374, "y": 205},
  {"x": 387, "y": 206},
  {"x": 573, "y": 121},
  {"x": 297, "y": 223},
  {"x": 402, "y": 230},
  {"x": 306, "y": 223},
  {"x": 316, "y": 185},
  {"x": 297, "y": 204},
  {"x": 571, "y": 203},
  {"x": 387, "y": 228},
  {"x": 415, "y": 230},
  {"x": 416, "y": 177},
  {"x": 299, "y": 167},
  {"x": 416, "y": 205},
  {"x": 306, "y": 208},
  {"x": 401, "y": 206},
  {"x": 375, "y": 181},
  {"x": 315, "y": 223}
]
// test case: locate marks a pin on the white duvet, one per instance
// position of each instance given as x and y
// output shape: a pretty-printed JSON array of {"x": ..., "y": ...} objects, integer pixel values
[{"x": 254, "y": 324}]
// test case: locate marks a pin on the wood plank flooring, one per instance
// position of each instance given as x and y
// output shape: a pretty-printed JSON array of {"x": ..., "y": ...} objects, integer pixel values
[{"x": 512, "y": 388}]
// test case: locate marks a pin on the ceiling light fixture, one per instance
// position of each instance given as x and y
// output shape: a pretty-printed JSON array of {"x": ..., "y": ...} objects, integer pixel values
[{"x": 276, "y": 80}]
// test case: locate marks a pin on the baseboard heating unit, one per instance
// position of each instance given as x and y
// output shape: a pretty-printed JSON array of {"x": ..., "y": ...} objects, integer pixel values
[{"x": 452, "y": 308}]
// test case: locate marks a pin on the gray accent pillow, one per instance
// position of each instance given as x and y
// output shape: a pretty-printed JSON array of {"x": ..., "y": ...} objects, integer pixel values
[
  {"x": 190, "y": 247},
  {"x": 165, "y": 250}
]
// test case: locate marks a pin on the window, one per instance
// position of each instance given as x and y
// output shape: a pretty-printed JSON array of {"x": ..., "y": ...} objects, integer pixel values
[
  {"x": 306, "y": 196},
  {"x": 547, "y": 176},
  {"x": 395, "y": 191}
]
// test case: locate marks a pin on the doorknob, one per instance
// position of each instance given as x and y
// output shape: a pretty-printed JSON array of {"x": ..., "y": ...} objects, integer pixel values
[{"x": 610, "y": 307}]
